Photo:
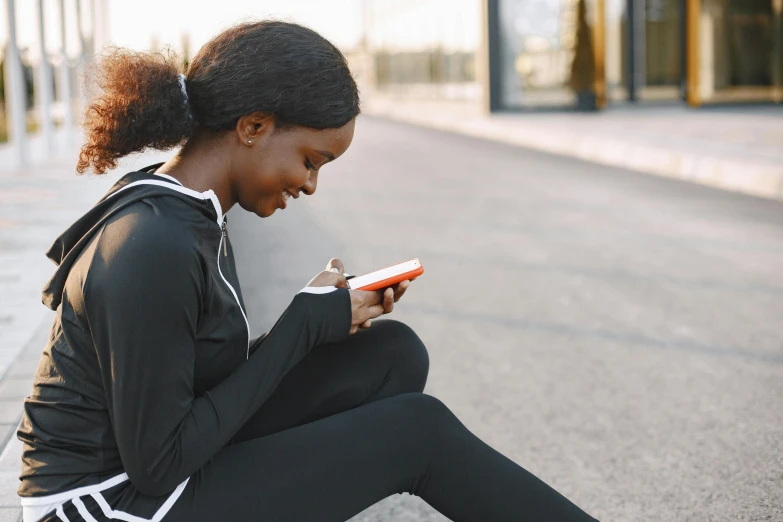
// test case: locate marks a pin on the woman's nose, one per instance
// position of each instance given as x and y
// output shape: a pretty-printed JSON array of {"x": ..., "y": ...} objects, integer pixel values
[{"x": 309, "y": 187}]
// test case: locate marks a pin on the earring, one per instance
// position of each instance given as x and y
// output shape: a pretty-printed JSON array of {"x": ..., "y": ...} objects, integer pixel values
[{"x": 249, "y": 141}]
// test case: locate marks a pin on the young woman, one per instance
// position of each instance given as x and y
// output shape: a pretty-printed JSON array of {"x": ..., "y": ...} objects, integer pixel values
[{"x": 152, "y": 403}]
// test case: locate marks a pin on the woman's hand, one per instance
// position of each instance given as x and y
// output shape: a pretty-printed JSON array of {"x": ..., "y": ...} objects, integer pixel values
[
  {"x": 374, "y": 303},
  {"x": 361, "y": 302},
  {"x": 365, "y": 305}
]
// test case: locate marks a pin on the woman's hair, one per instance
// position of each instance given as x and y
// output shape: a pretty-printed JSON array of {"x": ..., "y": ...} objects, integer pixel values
[{"x": 280, "y": 68}]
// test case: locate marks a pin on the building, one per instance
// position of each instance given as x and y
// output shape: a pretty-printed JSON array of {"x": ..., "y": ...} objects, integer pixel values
[
  {"x": 518, "y": 54},
  {"x": 422, "y": 48}
]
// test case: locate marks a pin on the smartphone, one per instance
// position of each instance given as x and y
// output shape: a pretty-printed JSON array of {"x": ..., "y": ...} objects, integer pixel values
[{"x": 386, "y": 277}]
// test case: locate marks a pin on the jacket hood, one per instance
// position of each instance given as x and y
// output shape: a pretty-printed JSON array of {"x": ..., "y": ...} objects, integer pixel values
[{"x": 132, "y": 187}]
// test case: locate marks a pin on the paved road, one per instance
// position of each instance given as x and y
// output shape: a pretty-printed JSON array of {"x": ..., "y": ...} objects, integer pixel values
[{"x": 617, "y": 334}]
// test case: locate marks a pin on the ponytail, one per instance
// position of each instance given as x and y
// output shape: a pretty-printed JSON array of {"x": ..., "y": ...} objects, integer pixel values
[
  {"x": 279, "y": 68},
  {"x": 140, "y": 105}
]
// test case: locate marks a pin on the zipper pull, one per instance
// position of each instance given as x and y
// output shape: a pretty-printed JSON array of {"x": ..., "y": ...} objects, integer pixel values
[{"x": 225, "y": 238}]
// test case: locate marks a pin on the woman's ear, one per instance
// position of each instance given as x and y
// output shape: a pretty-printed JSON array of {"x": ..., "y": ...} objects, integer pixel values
[{"x": 253, "y": 126}]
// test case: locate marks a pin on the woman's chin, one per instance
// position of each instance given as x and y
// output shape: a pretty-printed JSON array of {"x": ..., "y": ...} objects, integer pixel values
[
  {"x": 266, "y": 209},
  {"x": 261, "y": 209}
]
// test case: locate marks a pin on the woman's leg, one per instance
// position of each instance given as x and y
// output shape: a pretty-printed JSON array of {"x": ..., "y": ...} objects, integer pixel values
[
  {"x": 333, "y": 468},
  {"x": 382, "y": 361}
]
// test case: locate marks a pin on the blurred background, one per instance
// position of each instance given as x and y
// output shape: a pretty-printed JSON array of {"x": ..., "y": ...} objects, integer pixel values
[
  {"x": 499, "y": 55},
  {"x": 595, "y": 189}
]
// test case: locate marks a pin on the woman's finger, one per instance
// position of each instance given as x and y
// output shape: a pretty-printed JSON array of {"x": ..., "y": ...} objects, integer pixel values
[
  {"x": 335, "y": 265},
  {"x": 371, "y": 312},
  {"x": 388, "y": 300},
  {"x": 365, "y": 305},
  {"x": 400, "y": 288}
]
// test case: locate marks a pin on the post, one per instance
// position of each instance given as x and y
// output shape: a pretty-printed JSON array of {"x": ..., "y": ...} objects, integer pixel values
[
  {"x": 639, "y": 48},
  {"x": 481, "y": 60},
  {"x": 16, "y": 102},
  {"x": 632, "y": 44},
  {"x": 777, "y": 8},
  {"x": 65, "y": 84},
  {"x": 683, "y": 7},
  {"x": 491, "y": 56},
  {"x": 693, "y": 40},
  {"x": 44, "y": 88},
  {"x": 81, "y": 62},
  {"x": 599, "y": 49}
]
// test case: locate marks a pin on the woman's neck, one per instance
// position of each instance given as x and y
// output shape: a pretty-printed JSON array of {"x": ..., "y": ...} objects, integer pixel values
[{"x": 200, "y": 165}]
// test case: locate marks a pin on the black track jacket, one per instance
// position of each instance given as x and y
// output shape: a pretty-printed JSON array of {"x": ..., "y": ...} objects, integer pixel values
[{"x": 149, "y": 369}]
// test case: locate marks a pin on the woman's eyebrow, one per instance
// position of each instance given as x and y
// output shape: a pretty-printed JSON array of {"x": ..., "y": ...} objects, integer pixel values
[{"x": 326, "y": 154}]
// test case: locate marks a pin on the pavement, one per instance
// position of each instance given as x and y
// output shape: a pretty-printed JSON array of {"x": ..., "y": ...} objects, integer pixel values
[
  {"x": 615, "y": 333},
  {"x": 732, "y": 148},
  {"x": 36, "y": 205}
]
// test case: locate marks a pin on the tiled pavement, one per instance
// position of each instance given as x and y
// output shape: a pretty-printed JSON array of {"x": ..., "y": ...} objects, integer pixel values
[
  {"x": 14, "y": 387},
  {"x": 36, "y": 205}
]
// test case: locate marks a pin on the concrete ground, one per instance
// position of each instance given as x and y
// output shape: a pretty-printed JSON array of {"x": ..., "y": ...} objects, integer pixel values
[{"x": 617, "y": 334}]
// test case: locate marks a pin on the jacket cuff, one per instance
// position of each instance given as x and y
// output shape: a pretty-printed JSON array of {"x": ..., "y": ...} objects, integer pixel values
[{"x": 329, "y": 312}]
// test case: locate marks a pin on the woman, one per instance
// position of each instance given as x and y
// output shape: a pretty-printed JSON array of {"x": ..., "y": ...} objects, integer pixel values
[{"x": 151, "y": 402}]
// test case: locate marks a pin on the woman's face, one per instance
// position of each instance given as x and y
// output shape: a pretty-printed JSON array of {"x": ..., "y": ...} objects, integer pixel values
[{"x": 280, "y": 165}]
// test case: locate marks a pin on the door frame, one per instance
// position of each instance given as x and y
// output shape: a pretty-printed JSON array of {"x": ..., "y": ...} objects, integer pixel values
[{"x": 635, "y": 40}]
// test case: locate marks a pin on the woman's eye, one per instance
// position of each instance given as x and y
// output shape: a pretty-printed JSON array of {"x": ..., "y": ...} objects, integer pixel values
[{"x": 309, "y": 165}]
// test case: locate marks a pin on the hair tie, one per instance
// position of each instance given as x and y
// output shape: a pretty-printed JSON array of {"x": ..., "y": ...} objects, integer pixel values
[{"x": 182, "y": 86}]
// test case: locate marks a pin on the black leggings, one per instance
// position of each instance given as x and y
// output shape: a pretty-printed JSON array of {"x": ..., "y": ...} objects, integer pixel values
[{"x": 347, "y": 427}]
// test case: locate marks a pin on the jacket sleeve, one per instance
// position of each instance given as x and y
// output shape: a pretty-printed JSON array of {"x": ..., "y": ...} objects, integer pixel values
[{"x": 143, "y": 298}]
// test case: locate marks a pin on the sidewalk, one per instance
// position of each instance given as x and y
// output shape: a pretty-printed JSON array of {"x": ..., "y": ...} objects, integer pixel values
[
  {"x": 36, "y": 205},
  {"x": 738, "y": 149}
]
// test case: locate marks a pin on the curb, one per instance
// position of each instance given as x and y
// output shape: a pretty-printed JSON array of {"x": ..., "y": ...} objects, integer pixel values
[{"x": 763, "y": 178}]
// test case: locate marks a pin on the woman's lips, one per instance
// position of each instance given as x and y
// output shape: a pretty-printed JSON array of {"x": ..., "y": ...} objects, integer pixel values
[{"x": 290, "y": 194}]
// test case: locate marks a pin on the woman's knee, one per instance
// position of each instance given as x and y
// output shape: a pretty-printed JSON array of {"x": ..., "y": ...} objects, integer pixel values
[
  {"x": 428, "y": 414},
  {"x": 408, "y": 353}
]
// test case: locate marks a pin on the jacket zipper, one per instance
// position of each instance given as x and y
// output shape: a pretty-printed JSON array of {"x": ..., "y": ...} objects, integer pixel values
[
  {"x": 223, "y": 239},
  {"x": 225, "y": 235},
  {"x": 220, "y": 221}
]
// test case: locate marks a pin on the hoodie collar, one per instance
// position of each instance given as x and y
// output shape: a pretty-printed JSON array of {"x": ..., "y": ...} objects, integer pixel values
[
  {"x": 132, "y": 187},
  {"x": 164, "y": 180}
]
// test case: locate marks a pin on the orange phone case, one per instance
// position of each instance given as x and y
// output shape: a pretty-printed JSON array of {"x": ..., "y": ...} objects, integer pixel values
[{"x": 383, "y": 283}]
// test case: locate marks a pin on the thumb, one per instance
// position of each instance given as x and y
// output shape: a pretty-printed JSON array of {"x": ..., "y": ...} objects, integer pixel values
[{"x": 335, "y": 265}]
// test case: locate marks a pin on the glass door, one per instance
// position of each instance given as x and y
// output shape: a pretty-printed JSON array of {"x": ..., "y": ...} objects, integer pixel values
[
  {"x": 658, "y": 69},
  {"x": 655, "y": 49},
  {"x": 644, "y": 49},
  {"x": 740, "y": 51}
]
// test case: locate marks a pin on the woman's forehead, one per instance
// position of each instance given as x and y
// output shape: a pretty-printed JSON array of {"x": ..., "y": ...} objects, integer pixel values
[{"x": 334, "y": 141}]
